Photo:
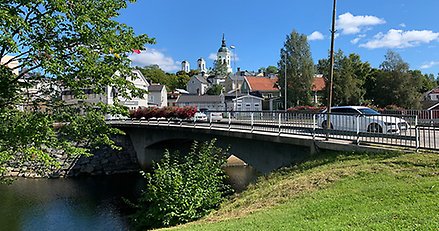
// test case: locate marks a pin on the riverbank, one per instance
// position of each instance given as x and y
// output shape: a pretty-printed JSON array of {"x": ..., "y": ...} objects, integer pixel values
[{"x": 390, "y": 191}]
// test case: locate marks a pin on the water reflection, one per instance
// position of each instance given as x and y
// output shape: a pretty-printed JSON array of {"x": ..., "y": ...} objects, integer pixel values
[{"x": 85, "y": 203}]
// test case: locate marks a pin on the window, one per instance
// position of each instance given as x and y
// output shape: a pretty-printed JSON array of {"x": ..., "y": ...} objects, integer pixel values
[
  {"x": 247, "y": 105},
  {"x": 256, "y": 105}
]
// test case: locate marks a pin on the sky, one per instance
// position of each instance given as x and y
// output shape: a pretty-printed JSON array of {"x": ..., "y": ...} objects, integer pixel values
[{"x": 190, "y": 29}]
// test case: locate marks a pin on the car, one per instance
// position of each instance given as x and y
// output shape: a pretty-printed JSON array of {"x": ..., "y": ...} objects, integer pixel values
[
  {"x": 215, "y": 116},
  {"x": 351, "y": 118},
  {"x": 200, "y": 116}
]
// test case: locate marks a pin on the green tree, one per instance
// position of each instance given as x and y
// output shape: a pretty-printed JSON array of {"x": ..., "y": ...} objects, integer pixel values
[
  {"x": 219, "y": 69},
  {"x": 350, "y": 74},
  {"x": 271, "y": 70},
  {"x": 183, "y": 188},
  {"x": 77, "y": 44},
  {"x": 395, "y": 85},
  {"x": 299, "y": 69},
  {"x": 216, "y": 89}
]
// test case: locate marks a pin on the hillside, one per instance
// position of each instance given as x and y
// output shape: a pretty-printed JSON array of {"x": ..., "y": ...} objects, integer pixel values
[{"x": 347, "y": 191}]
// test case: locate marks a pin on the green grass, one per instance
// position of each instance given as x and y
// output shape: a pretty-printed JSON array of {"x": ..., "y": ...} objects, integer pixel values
[{"x": 349, "y": 191}]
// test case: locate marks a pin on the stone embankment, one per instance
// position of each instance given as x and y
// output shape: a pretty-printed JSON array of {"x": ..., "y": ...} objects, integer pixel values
[{"x": 104, "y": 161}]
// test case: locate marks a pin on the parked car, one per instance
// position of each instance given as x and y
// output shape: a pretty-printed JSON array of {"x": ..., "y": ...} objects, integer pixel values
[
  {"x": 215, "y": 116},
  {"x": 200, "y": 116},
  {"x": 349, "y": 118}
]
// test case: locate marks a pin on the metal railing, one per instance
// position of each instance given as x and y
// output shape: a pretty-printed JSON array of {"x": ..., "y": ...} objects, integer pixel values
[{"x": 389, "y": 129}]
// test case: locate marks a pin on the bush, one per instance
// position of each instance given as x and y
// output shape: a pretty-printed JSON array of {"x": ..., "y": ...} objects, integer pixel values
[
  {"x": 183, "y": 188},
  {"x": 305, "y": 109},
  {"x": 164, "y": 112}
]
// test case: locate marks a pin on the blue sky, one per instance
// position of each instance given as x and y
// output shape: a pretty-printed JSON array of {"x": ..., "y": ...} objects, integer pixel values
[{"x": 190, "y": 29}]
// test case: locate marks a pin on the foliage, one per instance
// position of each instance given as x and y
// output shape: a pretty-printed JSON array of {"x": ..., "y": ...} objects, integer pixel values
[
  {"x": 271, "y": 70},
  {"x": 305, "y": 109},
  {"x": 219, "y": 69},
  {"x": 299, "y": 69},
  {"x": 350, "y": 73},
  {"x": 338, "y": 191},
  {"x": 164, "y": 112},
  {"x": 171, "y": 81},
  {"x": 395, "y": 84},
  {"x": 74, "y": 44},
  {"x": 183, "y": 188},
  {"x": 216, "y": 89}
]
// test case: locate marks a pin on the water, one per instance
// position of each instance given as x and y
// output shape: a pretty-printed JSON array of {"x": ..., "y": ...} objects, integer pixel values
[{"x": 86, "y": 203}]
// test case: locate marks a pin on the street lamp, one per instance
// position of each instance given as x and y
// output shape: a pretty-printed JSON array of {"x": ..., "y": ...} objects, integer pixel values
[{"x": 236, "y": 76}]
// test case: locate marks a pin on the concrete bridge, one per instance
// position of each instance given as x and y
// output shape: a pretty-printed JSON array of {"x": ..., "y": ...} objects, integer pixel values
[{"x": 264, "y": 149}]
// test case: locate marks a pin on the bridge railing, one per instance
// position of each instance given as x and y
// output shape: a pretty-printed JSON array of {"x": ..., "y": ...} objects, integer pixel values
[{"x": 390, "y": 129}]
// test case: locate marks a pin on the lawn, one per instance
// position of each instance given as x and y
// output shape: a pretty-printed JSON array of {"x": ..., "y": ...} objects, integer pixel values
[{"x": 338, "y": 191}]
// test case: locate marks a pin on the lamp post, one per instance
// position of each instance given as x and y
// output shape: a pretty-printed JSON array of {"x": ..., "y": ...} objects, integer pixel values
[
  {"x": 236, "y": 77},
  {"x": 331, "y": 72}
]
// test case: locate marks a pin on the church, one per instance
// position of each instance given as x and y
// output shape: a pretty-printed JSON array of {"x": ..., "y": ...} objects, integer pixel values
[{"x": 198, "y": 84}]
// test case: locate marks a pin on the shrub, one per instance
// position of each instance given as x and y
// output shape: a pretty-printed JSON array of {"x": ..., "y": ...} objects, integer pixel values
[
  {"x": 183, "y": 188},
  {"x": 165, "y": 112}
]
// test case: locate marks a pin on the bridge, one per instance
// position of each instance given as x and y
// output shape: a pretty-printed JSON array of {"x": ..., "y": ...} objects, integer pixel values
[{"x": 269, "y": 140}]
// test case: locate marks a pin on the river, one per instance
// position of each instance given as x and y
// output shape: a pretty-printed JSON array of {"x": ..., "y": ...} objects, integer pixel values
[{"x": 83, "y": 203}]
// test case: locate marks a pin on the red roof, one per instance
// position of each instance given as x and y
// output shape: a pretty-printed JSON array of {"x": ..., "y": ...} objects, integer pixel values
[
  {"x": 262, "y": 84},
  {"x": 435, "y": 91},
  {"x": 318, "y": 83}
]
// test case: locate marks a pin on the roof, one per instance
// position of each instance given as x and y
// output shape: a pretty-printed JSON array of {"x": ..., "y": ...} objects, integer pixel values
[
  {"x": 318, "y": 83},
  {"x": 200, "y": 79},
  {"x": 434, "y": 91},
  {"x": 199, "y": 99},
  {"x": 156, "y": 87},
  {"x": 261, "y": 83},
  {"x": 248, "y": 96},
  {"x": 429, "y": 104}
]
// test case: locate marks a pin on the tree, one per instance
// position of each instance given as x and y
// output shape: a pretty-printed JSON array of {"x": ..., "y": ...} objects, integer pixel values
[
  {"x": 394, "y": 84},
  {"x": 271, "y": 70},
  {"x": 300, "y": 69},
  {"x": 216, "y": 89},
  {"x": 350, "y": 74},
  {"x": 77, "y": 44},
  {"x": 171, "y": 81},
  {"x": 219, "y": 68},
  {"x": 183, "y": 188}
]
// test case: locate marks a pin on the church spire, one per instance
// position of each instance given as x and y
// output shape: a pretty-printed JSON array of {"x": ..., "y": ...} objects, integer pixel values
[{"x": 223, "y": 42}]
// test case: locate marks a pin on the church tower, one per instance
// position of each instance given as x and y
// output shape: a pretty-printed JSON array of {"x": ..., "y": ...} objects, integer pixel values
[
  {"x": 185, "y": 66},
  {"x": 202, "y": 65},
  {"x": 224, "y": 55}
]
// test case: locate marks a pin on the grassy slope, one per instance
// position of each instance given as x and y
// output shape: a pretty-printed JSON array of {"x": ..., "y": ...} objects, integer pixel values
[{"x": 338, "y": 192}]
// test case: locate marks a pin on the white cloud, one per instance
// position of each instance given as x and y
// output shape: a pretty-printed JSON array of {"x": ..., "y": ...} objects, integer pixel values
[
  {"x": 358, "y": 38},
  {"x": 350, "y": 24},
  {"x": 402, "y": 25},
  {"x": 316, "y": 35},
  {"x": 212, "y": 56},
  {"x": 430, "y": 64},
  {"x": 152, "y": 56},
  {"x": 401, "y": 39}
]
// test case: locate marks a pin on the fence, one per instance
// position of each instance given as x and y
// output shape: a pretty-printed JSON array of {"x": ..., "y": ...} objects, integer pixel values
[{"x": 396, "y": 129}]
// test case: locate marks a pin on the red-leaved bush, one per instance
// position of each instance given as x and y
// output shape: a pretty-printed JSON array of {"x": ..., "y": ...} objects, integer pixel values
[
  {"x": 305, "y": 109},
  {"x": 186, "y": 112}
]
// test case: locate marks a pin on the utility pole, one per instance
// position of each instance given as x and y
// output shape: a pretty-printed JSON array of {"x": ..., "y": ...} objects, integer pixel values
[
  {"x": 331, "y": 72},
  {"x": 236, "y": 77},
  {"x": 285, "y": 77}
]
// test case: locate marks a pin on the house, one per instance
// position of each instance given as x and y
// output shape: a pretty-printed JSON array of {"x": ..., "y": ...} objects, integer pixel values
[
  {"x": 263, "y": 87},
  {"x": 157, "y": 95},
  {"x": 110, "y": 94},
  {"x": 12, "y": 64},
  {"x": 247, "y": 103},
  {"x": 318, "y": 88},
  {"x": 197, "y": 85},
  {"x": 202, "y": 102}
]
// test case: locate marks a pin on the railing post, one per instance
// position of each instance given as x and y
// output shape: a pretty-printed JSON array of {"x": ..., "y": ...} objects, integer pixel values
[
  {"x": 357, "y": 118},
  {"x": 417, "y": 133},
  {"x": 314, "y": 126},
  {"x": 195, "y": 120},
  {"x": 230, "y": 120},
  {"x": 280, "y": 123},
  {"x": 210, "y": 122},
  {"x": 251, "y": 116}
]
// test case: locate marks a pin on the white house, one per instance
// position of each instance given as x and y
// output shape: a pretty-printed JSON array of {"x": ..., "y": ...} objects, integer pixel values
[
  {"x": 11, "y": 64},
  {"x": 197, "y": 85},
  {"x": 110, "y": 94},
  {"x": 202, "y": 102},
  {"x": 247, "y": 103},
  {"x": 157, "y": 95}
]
